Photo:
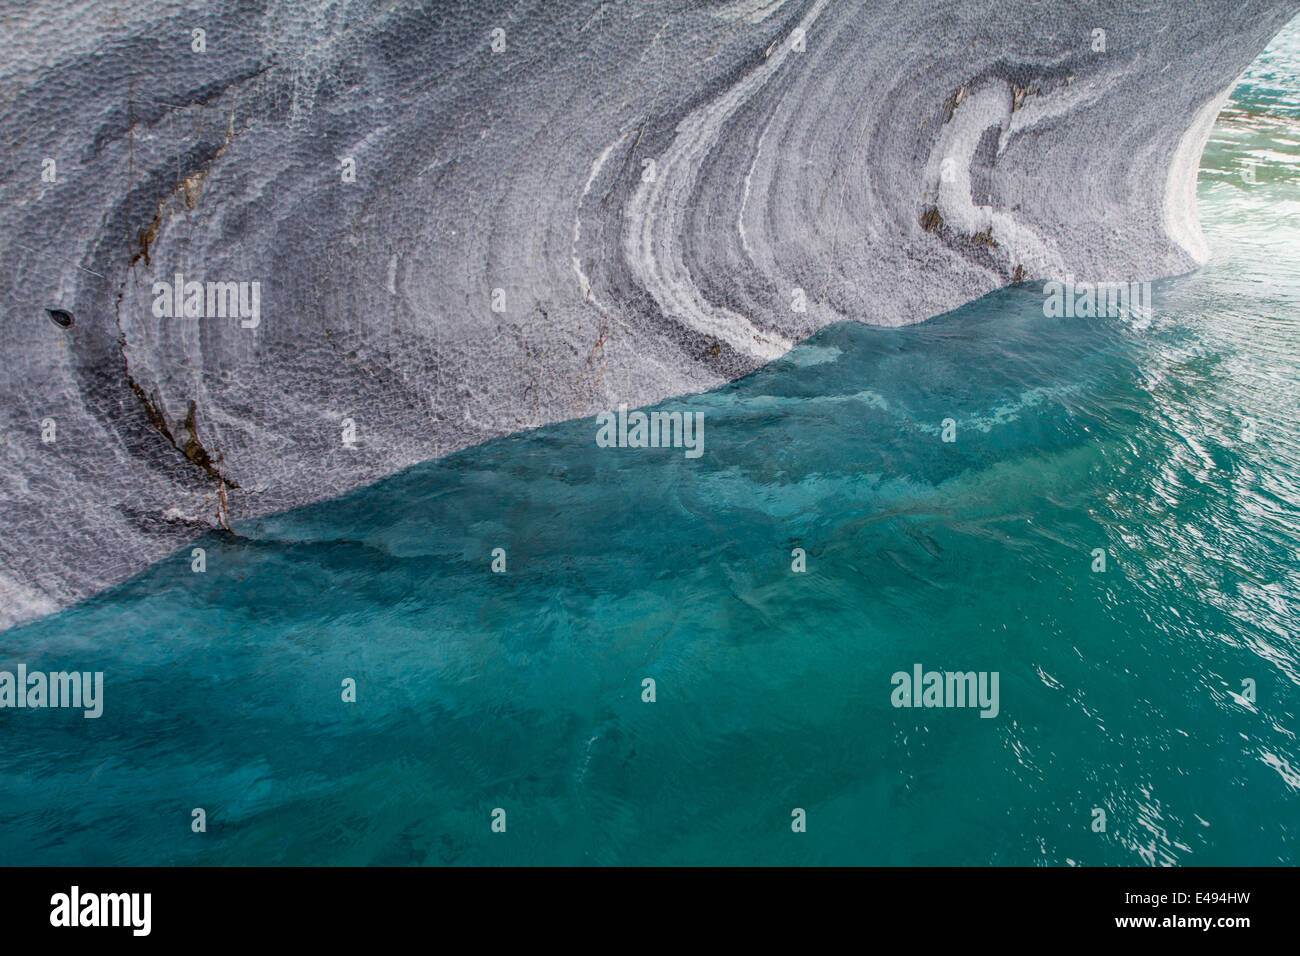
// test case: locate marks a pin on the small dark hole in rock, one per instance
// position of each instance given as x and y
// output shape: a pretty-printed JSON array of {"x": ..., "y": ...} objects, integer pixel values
[{"x": 60, "y": 317}]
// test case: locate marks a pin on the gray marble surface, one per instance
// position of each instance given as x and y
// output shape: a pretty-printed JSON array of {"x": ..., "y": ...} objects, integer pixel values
[{"x": 653, "y": 187}]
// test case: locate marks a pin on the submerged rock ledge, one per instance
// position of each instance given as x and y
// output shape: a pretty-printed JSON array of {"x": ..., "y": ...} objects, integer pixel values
[{"x": 555, "y": 208}]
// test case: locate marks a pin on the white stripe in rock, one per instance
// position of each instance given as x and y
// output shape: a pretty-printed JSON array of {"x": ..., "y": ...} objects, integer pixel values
[{"x": 656, "y": 218}]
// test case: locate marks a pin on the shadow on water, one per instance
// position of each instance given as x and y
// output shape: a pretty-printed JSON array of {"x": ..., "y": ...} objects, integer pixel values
[
  {"x": 523, "y": 689},
  {"x": 1161, "y": 687}
]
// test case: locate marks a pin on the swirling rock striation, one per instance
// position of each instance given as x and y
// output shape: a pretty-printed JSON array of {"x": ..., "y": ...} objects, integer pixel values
[{"x": 557, "y": 207}]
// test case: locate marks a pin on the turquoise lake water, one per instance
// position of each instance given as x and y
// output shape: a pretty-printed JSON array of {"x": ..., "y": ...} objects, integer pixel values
[{"x": 1172, "y": 443}]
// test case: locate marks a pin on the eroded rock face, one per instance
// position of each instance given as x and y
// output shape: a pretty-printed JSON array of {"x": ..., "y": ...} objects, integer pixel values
[{"x": 458, "y": 232}]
